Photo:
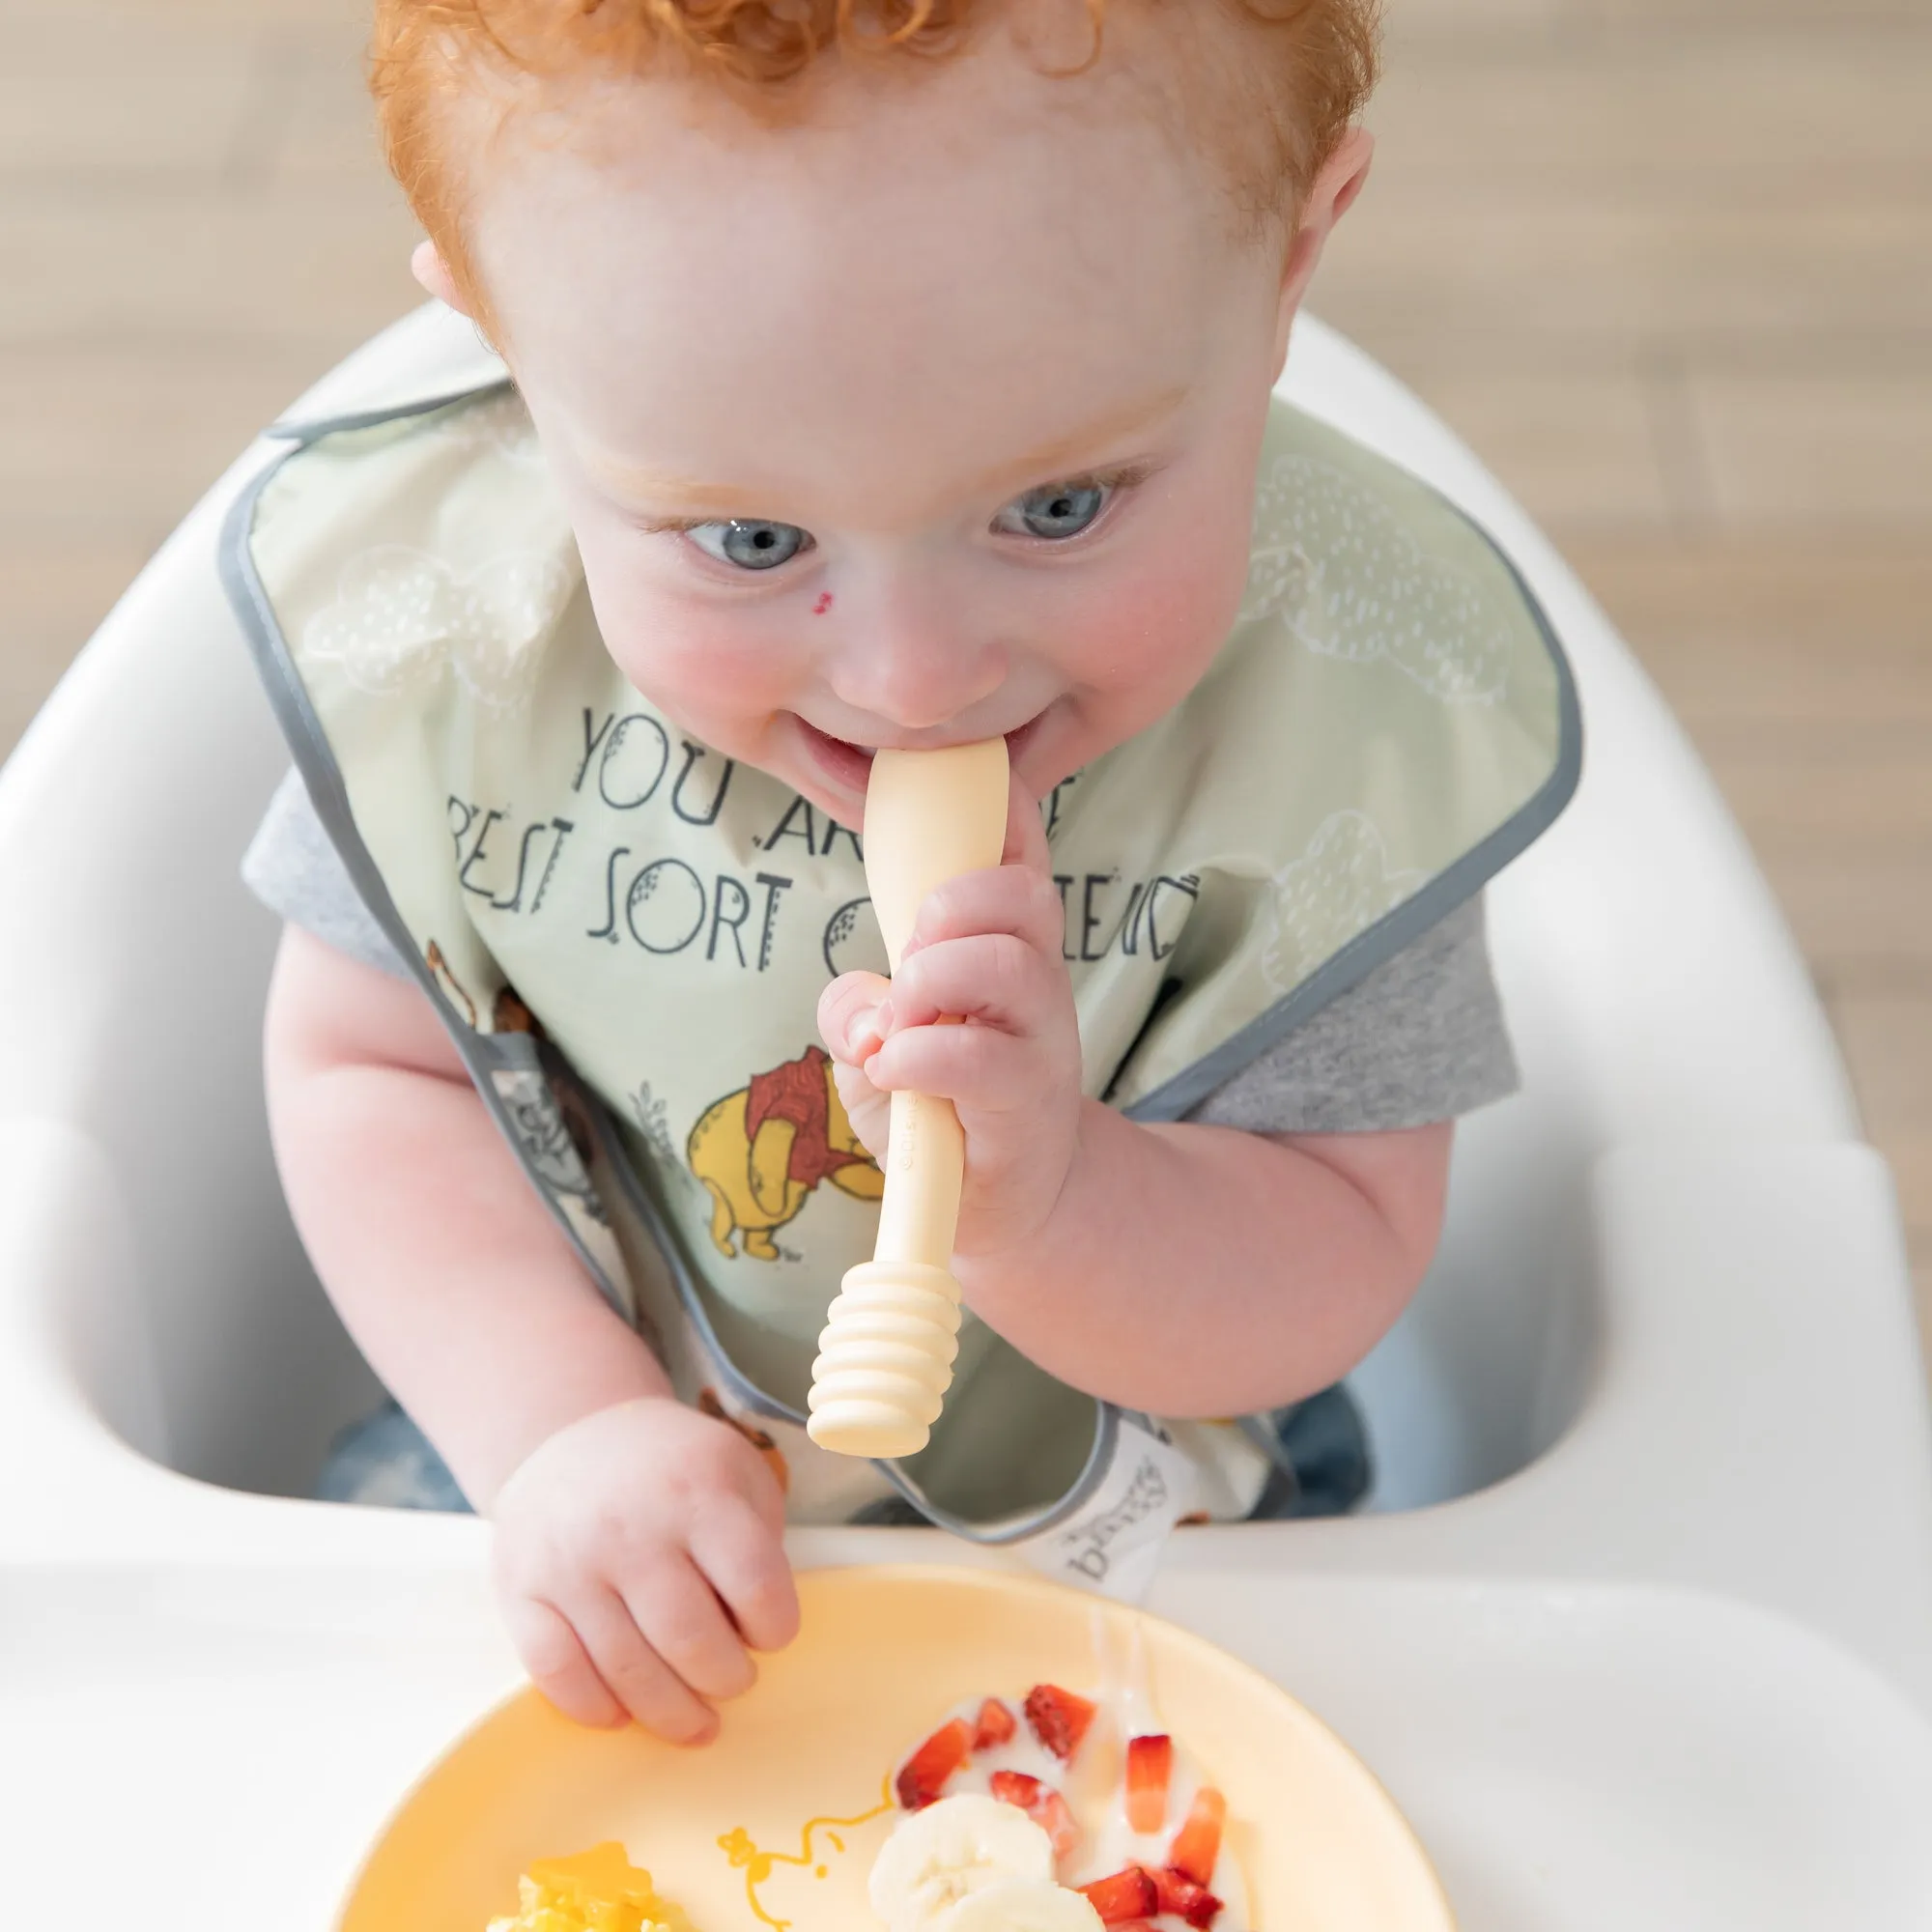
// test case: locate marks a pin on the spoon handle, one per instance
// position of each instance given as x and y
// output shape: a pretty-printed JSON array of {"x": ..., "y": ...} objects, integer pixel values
[{"x": 885, "y": 1358}]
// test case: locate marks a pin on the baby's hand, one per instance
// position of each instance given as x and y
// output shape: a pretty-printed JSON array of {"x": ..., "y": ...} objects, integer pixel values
[
  {"x": 637, "y": 1557},
  {"x": 986, "y": 947}
]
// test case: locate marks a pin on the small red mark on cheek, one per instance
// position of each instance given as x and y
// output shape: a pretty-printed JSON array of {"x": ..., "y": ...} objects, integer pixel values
[{"x": 823, "y": 605}]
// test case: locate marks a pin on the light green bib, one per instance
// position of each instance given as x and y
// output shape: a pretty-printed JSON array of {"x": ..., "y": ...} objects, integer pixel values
[{"x": 629, "y": 933}]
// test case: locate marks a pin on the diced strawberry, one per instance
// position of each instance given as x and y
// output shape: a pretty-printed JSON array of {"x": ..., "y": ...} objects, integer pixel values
[
  {"x": 1180, "y": 1895},
  {"x": 1053, "y": 1817},
  {"x": 995, "y": 1726},
  {"x": 1059, "y": 1719},
  {"x": 1044, "y": 1805},
  {"x": 1127, "y": 1895},
  {"x": 922, "y": 1778},
  {"x": 1149, "y": 1766},
  {"x": 1196, "y": 1846}
]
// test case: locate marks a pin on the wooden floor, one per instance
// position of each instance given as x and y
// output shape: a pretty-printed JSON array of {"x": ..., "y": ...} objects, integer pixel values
[{"x": 1668, "y": 264}]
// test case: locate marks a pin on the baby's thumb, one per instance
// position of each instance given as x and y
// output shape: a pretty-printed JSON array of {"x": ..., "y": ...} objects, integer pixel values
[
  {"x": 868, "y": 1113},
  {"x": 853, "y": 1016}
]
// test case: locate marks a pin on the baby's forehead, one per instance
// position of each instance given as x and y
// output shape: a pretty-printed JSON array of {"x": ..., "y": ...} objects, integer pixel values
[
  {"x": 1258, "y": 89},
  {"x": 696, "y": 279},
  {"x": 851, "y": 126},
  {"x": 982, "y": 190}
]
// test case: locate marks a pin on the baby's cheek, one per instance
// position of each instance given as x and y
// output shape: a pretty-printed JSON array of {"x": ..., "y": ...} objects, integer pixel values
[
  {"x": 1157, "y": 622},
  {"x": 693, "y": 660},
  {"x": 715, "y": 666}
]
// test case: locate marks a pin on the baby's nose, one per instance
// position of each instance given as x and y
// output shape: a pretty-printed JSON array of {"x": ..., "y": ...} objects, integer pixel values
[{"x": 914, "y": 664}]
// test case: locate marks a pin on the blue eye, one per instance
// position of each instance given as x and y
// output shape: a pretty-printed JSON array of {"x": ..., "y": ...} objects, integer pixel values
[
  {"x": 1056, "y": 510},
  {"x": 751, "y": 545}
]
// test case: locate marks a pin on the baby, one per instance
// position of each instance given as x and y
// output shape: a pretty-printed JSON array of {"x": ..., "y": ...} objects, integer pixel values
[{"x": 883, "y": 376}]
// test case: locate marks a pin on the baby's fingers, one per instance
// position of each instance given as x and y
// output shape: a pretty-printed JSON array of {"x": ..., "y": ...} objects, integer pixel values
[
  {"x": 559, "y": 1665},
  {"x": 744, "y": 1561},
  {"x": 995, "y": 978},
  {"x": 867, "y": 1108},
  {"x": 648, "y": 1687},
  {"x": 1008, "y": 899},
  {"x": 682, "y": 1621},
  {"x": 981, "y": 1070}
]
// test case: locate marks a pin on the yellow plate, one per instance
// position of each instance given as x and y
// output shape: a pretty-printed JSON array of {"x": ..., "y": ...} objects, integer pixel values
[{"x": 768, "y": 1828}]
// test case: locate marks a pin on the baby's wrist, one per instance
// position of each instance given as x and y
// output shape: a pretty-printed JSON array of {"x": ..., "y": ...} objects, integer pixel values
[
  {"x": 502, "y": 1455},
  {"x": 1016, "y": 1223}
]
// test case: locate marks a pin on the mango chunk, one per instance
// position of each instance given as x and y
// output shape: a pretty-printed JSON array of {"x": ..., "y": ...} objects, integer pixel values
[{"x": 598, "y": 1891}]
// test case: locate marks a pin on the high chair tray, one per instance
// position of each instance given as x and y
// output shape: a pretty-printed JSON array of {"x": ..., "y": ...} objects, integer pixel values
[
  {"x": 884, "y": 1654},
  {"x": 1573, "y": 1757}
]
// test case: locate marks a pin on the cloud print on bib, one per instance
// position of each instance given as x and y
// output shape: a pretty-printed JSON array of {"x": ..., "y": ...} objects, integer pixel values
[
  {"x": 1339, "y": 885},
  {"x": 1349, "y": 582},
  {"x": 404, "y": 618}
]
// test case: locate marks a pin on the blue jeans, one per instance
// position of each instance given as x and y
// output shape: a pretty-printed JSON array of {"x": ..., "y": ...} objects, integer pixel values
[{"x": 388, "y": 1462}]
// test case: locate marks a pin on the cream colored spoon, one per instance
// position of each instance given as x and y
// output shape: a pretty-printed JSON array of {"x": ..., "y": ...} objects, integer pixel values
[{"x": 885, "y": 1360}]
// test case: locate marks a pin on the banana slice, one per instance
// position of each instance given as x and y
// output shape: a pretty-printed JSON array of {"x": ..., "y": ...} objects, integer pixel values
[
  {"x": 951, "y": 1850},
  {"x": 1021, "y": 1905}
]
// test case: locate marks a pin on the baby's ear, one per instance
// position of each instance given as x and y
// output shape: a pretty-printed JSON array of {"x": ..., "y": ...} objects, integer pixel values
[
  {"x": 433, "y": 273},
  {"x": 1331, "y": 196}
]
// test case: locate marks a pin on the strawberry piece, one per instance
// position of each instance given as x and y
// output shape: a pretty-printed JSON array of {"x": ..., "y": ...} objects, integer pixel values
[
  {"x": 1127, "y": 1895},
  {"x": 1044, "y": 1805},
  {"x": 1053, "y": 1818},
  {"x": 995, "y": 1726},
  {"x": 1196, "y": 1846},
  {"x": 922, "y": 1778},
  {"x": 1059, "y": 1719},
  {"x": 1149, "y": 1766},
  {"x": 1180, "y": 1895}
]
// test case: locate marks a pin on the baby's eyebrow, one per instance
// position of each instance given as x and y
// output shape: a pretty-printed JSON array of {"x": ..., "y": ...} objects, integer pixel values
[
  {"x": 1044, "y": 458},
  {"x": 642, "y": 483}
]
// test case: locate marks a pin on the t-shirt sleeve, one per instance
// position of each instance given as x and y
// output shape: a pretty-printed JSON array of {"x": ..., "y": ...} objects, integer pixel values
[
  {"x": 1421, "y": 1038},
  {"x": 291, "y": 866}
]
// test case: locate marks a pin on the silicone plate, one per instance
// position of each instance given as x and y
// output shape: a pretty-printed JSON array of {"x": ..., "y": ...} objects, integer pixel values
[{"x": 776, "y": 1824}]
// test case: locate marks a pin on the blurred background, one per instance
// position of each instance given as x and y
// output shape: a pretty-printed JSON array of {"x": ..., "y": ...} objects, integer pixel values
[{"x": 1666, "y": 264}]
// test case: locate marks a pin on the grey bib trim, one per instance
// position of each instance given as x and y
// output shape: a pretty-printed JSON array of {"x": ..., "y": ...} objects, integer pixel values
[{"x": 1398, "y": 929}]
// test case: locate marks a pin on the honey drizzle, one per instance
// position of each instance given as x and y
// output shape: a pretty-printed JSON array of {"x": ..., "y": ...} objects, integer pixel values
[{"x": 756, "y": 1865}]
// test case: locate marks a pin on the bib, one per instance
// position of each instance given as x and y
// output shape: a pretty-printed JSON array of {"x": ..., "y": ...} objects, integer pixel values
[{"x": 627, "y": 933}]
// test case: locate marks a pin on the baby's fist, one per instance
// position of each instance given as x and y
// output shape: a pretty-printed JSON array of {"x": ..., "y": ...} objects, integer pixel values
[
  {"x": 638, "y": 1557},
  {"x": 985, "y": 951}
]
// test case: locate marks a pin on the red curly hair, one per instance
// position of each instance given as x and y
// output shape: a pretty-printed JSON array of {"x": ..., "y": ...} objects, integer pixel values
[{"x": 1304, "y": 78}]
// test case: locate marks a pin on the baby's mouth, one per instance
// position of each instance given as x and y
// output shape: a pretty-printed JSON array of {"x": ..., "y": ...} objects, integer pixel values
[
  {"x": 849, "y": 764},
  {"x": 852, "y": 764}
]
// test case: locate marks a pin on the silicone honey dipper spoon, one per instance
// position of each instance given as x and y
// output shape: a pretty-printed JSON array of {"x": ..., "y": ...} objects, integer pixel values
[{"x": 886, "y": 1356}]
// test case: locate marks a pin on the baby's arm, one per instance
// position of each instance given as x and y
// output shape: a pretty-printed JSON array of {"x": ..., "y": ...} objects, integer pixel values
[
  {"x": 446, "y": 1267},
  {"x": 1198, "y": 1270},
  {"x": 622, "y": 1518},
  {"x": 1184, "y": 1270}
]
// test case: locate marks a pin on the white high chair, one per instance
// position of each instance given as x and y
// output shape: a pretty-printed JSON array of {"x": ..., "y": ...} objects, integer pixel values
[{"x": 1643, "y": 1610}]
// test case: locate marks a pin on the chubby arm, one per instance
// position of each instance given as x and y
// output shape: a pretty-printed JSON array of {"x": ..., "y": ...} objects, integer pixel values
[
  {"x": 1185, "y": 1269},
  {"x": 444, "y": 1266},
  {"x": 638, "y": 1554},
  {"x": 1200, "y": 1272}
]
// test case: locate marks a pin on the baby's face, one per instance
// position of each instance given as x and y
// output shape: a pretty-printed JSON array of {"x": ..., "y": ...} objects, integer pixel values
[{"x": 932, "y": 419}]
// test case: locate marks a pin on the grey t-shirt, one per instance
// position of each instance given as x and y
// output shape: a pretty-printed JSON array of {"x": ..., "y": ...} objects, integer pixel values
[{"x": 1421, "y": 1038}]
